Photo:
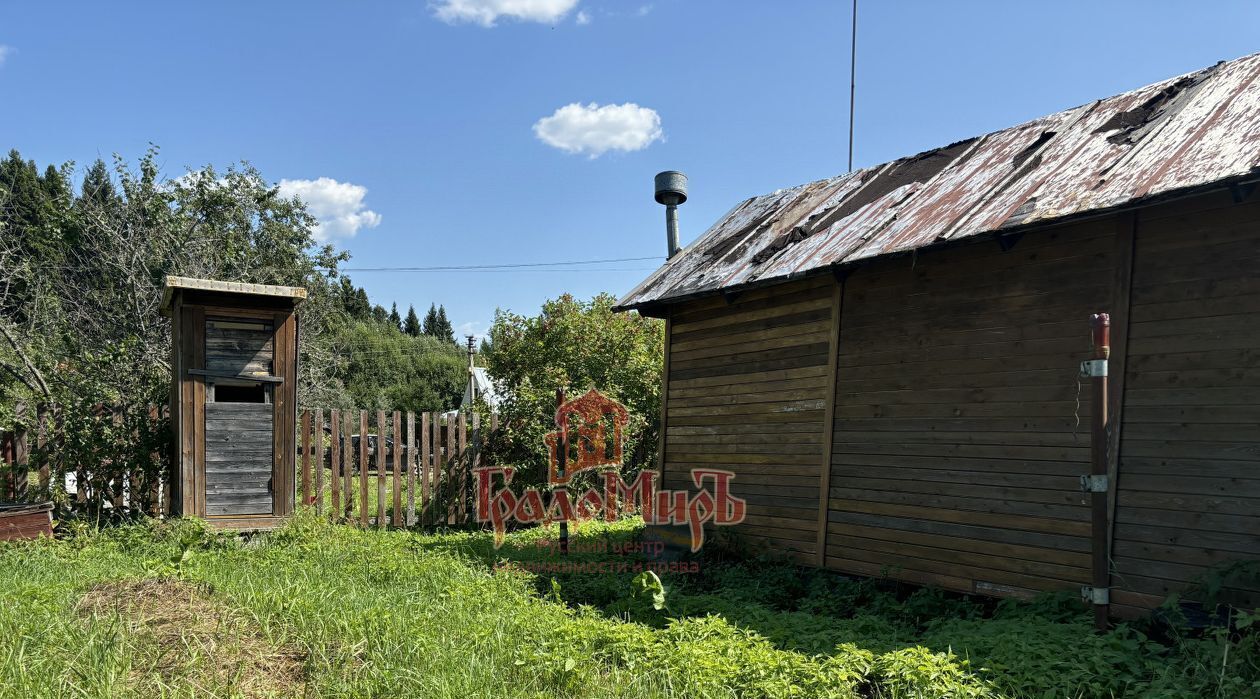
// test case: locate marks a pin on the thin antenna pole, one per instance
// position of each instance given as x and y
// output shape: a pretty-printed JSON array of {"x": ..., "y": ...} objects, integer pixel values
[{"x": 852, "y": 82}]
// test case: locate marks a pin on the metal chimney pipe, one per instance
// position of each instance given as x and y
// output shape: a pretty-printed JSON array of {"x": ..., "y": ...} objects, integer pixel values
[{"x": 671, "y": 190}]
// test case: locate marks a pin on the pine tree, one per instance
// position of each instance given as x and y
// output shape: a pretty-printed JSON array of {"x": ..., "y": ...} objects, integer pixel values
[
  {"x": 444, "y": 328},
  {"x": 394, "y": 318},
  {"x": 380, "y": 314},
  {"x": 431, "y": 321},
  {"x": 98, "y": 189},
  {"x": 411, "y": 325}
]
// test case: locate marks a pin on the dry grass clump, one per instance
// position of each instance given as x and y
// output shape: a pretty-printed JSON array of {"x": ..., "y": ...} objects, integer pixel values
[{"x": 186, "y": 639}]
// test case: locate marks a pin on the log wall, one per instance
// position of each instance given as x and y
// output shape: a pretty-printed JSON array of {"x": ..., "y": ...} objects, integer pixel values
[
  {"x": 1188, "y": 494},
  {"x": 959, "y": 428},
  {"x": 747, "y": 389}
]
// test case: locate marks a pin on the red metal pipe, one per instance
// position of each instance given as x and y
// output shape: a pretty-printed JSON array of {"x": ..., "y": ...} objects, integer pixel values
[{"x": 1100, "y": 326}]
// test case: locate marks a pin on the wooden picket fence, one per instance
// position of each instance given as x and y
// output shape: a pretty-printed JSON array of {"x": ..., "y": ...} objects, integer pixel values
[
  {"x": 419, "y": 466},
  {"x": 31, "y": 446}
]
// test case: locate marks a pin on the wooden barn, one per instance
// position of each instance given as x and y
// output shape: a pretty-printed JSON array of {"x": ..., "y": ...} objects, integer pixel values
[
  {"x": 233, "y": 400},
  {"x": 890, "y": 360}
]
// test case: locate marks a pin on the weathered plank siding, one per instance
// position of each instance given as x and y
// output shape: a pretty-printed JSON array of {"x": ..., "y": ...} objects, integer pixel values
[
  {"x": 959, "y": 439},
  {"x": 1189, "y": 475},
  {"x": 239, "y": 458},
  {"x": 747, "y": 391}
]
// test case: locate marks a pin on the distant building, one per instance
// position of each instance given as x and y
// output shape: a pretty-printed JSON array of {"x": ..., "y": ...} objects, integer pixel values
[{"x": 479, "y": 387}]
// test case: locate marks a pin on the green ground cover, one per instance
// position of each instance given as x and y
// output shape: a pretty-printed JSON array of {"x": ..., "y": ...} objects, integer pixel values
[{"x": 321, "y": 610}]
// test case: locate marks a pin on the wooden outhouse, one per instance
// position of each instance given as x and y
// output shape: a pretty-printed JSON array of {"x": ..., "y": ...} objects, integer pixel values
[
  {"x": 233, "y": 399},
  {"x": 890, "y": 360}
]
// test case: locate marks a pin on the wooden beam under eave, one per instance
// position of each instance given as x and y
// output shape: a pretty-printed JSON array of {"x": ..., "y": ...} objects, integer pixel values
[{"x": 829, "y": 417}]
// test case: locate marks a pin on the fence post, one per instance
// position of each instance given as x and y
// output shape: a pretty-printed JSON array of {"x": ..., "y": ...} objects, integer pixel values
[
  {"x": 21, "y": 457},
  {"x": 319, "y": 461},
  {"x": 41, "y": 442}
]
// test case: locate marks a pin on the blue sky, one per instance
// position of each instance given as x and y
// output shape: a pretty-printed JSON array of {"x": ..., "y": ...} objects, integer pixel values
[{"x": 442, "y": 130}]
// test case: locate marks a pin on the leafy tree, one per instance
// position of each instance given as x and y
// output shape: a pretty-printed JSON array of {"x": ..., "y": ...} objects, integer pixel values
[
  {"x": 411, "y": 325},
  {"x": 394, "y": 318},
  {"x": 81, "y": 278},
  {"x": 397, "y": 371},
  {"x": 574, "y": 345}
]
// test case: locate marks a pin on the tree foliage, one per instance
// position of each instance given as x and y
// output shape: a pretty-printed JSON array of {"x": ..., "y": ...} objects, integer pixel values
[
  {"x": 574, "y": 345},
  {"x": 81, "y": 279},
  {"x": 436, "y": 325},
  {"x": 411, "y": 325}
]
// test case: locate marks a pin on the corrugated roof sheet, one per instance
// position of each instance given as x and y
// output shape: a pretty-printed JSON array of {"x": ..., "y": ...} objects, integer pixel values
[{"x": 1181, "y": 134}]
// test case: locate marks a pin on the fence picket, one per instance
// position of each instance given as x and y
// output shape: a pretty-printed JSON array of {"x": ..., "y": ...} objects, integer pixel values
[
  {"x": 410, "y": 520},
  {"x": 334, "y": 458},
  {"x": 462, "y": 467},
  {"x": 41, "y": 445},
  {"x": 381, "y": 468},
  {"x": 347, "y": 465},
  {"x": 474, "y": 461},
  {"x": 425, "y": 468},
  {"x": 319, "y": 461},
  {"x": 363, "y": 468},
  {"x": 306, "y": 457},
  {"x": 395, "y": 517},
  {"x": 449, "y": 469}
]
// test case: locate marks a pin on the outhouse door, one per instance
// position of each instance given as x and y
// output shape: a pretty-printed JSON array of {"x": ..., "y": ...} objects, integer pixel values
[{"x": 240, "y": 417}]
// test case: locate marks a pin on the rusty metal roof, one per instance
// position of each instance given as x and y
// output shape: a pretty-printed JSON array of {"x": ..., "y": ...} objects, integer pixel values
[{"x": 1175, "y": 136}]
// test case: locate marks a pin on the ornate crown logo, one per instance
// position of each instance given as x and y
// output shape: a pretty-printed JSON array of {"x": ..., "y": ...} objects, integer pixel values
[{"x": 595, "y": 412}]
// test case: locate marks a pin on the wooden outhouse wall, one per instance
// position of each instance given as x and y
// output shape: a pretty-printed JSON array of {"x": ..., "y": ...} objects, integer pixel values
[
  {"x": 1189, "y": 477},
  {"x": 747, "y": 388}
]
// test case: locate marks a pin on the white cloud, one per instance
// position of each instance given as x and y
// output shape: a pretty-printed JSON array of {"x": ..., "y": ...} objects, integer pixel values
[
  {"x": 583, "y": 17},
  {"x": 487, "y": 12},
  {"x": 338, "y": 206},
  {"x": 5, "y": 52},
  {"x": 644, "y": 9},
  {"x": 592, "y": 129},
  {"x": 475, "y": 328}
]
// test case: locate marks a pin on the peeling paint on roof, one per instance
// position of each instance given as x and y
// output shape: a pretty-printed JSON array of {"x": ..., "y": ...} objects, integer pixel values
[{"x": 1177, "y": 135}]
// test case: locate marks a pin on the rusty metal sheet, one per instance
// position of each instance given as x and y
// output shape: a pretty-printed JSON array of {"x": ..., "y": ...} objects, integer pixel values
[{"x": 1180, "y": 134}]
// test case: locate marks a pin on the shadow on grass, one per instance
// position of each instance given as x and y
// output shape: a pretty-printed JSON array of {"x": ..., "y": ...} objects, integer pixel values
[{"x": 796, "y": 608}]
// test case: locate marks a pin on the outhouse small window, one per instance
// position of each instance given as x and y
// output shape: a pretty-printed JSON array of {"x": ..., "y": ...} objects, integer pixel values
[{"x": 238, "y": 392}]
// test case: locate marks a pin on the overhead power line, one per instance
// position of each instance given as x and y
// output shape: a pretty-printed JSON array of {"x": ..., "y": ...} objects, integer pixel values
[{"x": 506, "y": 266}]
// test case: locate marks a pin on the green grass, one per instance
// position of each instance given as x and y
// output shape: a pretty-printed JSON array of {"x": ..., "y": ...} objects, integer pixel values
[{"x": 393, "y": 614}]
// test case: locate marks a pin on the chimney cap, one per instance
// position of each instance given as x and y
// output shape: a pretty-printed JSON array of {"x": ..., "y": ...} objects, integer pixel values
[{"x": 671, "y": 187}]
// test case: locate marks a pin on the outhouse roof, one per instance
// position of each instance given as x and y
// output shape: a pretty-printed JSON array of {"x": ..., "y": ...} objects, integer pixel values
[{"x": 296, "y": 293}]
